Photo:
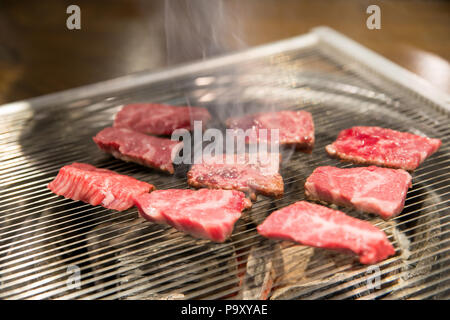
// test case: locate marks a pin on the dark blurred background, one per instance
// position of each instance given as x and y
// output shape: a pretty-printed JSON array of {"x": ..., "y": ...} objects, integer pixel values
[{"x": 39, "y": 55}]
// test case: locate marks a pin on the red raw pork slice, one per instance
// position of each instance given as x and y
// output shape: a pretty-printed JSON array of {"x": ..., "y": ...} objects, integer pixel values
[
  {"x": 81, "y": 181},
  {"x": 205, "y": 214},
  {"x": 140, "y": 148},
  {"x": 159, "y": 119},
  {"x": 371, "y": 189},
  {"x": 383, "y": 147},
  {"x": 318, "y": 226},
  {"x": 296, "y": 128}
]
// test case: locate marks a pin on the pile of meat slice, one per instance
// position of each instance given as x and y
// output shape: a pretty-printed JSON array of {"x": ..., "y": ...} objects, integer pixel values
[
  {"x": 211, "y": 213},
  {"x": 370, "y": 189},
  {"x": 128, "y": 139}
]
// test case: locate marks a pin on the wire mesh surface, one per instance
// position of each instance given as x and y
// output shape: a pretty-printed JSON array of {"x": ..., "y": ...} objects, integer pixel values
[{"x": 48, "y": 242}]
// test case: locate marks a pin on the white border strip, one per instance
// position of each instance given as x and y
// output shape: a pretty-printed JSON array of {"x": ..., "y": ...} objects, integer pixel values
[{"x": 382, "y": 66}]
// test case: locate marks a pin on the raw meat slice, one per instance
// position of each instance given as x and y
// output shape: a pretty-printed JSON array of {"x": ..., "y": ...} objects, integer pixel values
[
  {"x": 159, "y": 119},
  {"x": 81, "y": 181},
  {"x": 318, "y": 226},
  {"x": 371, "y": 189},
  {"x": 383, "y": 147},
  {"x": 296, "y": 128},
  {"x": 140, "y": 148},
  {"x": 206, "y": 214},
  {"x": 243, "y": 172}
]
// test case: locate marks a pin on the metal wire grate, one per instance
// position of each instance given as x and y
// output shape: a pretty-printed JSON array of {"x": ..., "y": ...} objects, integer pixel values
[{"x": 46, "y": 240}]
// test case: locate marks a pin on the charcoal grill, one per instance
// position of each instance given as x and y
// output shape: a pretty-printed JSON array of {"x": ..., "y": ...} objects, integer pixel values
[{"x": 55, "y": 248}]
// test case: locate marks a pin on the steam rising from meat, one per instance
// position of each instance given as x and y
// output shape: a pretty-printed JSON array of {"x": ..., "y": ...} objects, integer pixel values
[
  {"x": 202, "y": 29},
  {"x": 199, "y": 29}
]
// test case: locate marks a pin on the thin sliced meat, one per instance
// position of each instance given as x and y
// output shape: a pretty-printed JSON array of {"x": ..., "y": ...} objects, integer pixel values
[
  {"x": 371, "y": 189},
  {"x": 318, "y": 226},
  {"x": 140, "y": 148},
  {"x": 383, "y": 147},
  {"x": 84, "y": 182},
  {"x": 296, "y": 128},
  {"x": 253, "y": 174},
  {"x": 159, "y": 119},
  {"x": 205, "y": 214}
]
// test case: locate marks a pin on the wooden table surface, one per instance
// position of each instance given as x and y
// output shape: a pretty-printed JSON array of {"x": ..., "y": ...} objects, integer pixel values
[{"x": 39, "y": 55}]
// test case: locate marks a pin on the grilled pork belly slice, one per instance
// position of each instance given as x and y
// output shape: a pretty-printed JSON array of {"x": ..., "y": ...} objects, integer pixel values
[
  {"x": 383, "y": 147},
  {"x": 84, "y": 182},
  {"x": 253, "y": 175},
  {"x": 205, "y": 214},
  {"x": 296, "y": 128},
  {"x": 159, "y": 119},
  {"x": 318, "y": 226},
  {"x": 371, "y": 189},
  {"x": 140, "y": 148}
]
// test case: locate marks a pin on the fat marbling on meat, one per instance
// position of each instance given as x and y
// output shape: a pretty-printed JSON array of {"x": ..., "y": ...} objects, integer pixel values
[
  {"x": 371, "y": 189},
  {"x": 247, "y": 172},
  {"x": 318, "y": 226},
  {"x": 296, "y": 128},
  {"x": 81, "y": 181},
  {"x": 383, "y": 147},
  {"x": 205, "y": 214},
  {"x": 140, "y": 148},
  {"x": 159, "y": 119}
]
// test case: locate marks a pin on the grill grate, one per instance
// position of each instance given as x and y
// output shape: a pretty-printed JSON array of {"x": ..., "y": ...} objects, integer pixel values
[{"x": 47, "y": 241}]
